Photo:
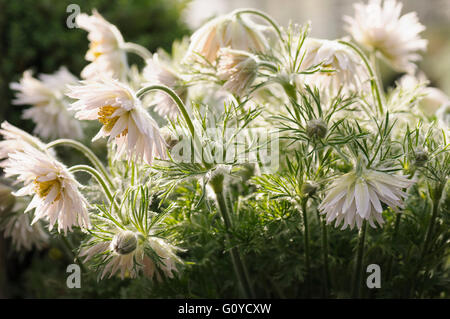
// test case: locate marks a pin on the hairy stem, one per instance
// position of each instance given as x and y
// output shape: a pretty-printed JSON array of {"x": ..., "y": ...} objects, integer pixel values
[
  {"x": 263, "y": 15},
  {"x": 174, "y": 97},
  {"x": 137, "y": 49},
  {"x": 359, "y": 261},
  {"x": 325, "y": 256},
  {"x": 306, "y": 244},
  {"x": 86, "y": 152},
  {"x": 373, "y": 77},
  {"x": 236, "y": 258}
]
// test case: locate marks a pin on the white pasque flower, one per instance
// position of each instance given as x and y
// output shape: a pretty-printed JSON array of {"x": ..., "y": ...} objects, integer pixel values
[
  {"x": 431, "y": 98},
  {"x": 355, "y": 197},
  {"x": 125, "y": 253},
  {"x": 158, "y": 71},
  {"x": 15, "y": 139},
  {"x": 105, "y": 53},
  {"x": 380, "y": 27},
  {"x": 443, "y": 117},
  {"x": 346, "y": 67},
  {"x": 237, "y": 68},
  {"x": 23, "y": 235},
  {"x": 56, "y": 197},
  {"x": 233, "y": 31},
  {"x": 116, "y": 106},
  {"x": 49, "y": 106}
]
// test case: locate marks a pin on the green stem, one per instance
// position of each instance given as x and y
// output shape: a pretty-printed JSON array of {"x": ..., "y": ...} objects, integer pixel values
[
  {"x": 174, "y": 97},
  {"x": 97, "y": 176},
  {"x": 262, "y": 15},
  {"x": 306, "y": 244},
  {"x": 137, "y": 49},
  {"x": 269, "y": 65},
  {"x": 86, "y": 152},
  {"x": 359, "y": 261},
  {"x": 373, "y": 78},
  {"x": 436, "y": 196},
  {"x": 325, "y": 255},
  {"x": 394, "y": 239},
  {"x": 236, "y": 258},
  {"x": 70, "y": 248}
]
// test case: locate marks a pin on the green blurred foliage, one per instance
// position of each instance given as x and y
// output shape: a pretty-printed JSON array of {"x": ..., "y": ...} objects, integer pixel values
[{"x": 33, "y": 34}]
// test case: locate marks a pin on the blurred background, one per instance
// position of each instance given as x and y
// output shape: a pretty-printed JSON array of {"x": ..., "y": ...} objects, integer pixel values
[{"x": 34, "y": 35}]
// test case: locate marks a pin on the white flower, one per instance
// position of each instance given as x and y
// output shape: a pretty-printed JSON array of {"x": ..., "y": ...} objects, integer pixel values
[
  {"x": 49, "y": 107},
  {"x": 346, "y": 66},
  {"x": 160, "y": 72},
  {"x": 432, "y": 98},
  {"x": 132, "y": 261},
  {"x": 15, "y": 139},
  {"x": 355, "y": 197},
  {"x": 381, "y": 28},
  {"x": 116, "y": 106},
  {"x": 443, "y": 117},
  {"x": 105, "y": 53},
  {"x": 234, "y": 31},
  {"x": 22, "y": 234},
  {"x": 237, "y": 68},
  {"x": 54, "y": 189}
]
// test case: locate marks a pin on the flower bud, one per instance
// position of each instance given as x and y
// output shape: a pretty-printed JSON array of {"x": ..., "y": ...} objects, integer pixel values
[
  {"x": 316, "y": 128},
  {"x": 7, "y": 200},
  {"x": 124, "y": 242},
  {"x": 309, "y": 188},
  {"x": 420, "y": 157}
]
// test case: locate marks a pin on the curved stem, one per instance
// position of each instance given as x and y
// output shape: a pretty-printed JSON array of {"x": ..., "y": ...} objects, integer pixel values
[
  {"x": 306, "y": 243},
  {"x": 268, "y": 65},
  {"x": 97, "y": 176},
  {"x": 373, "y": 79},
  {"x": 359, "y": 260},
  {"x": 174, "y": 97},
  {"x": 87, "y": 152},
  {"x": 137, "y": 49},
  {"x": 262, "y": 15}
]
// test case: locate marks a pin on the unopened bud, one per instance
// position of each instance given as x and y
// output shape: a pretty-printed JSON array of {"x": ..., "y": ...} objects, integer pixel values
[
  {"x": 421, "y": 157},
  {"x": 309, "y": 188},
  {"x": 7, "y": 200},
  {"x": 316, "y": 129},
  {"x": 124, "y": 242}
]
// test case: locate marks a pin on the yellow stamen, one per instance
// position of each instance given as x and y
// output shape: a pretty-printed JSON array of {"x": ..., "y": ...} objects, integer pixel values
[
  {"x": 44, "y": 188},
  {"x": 104, "y": 117}
]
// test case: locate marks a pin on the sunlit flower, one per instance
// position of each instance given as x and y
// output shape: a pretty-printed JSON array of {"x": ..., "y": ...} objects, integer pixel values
[
  {"x": 345, "y": 66},
  {"x": 233, "y": 31},
  {"x": 23, "y": 235},
  {"x": 443, "y": 117},
  {"x": 431, "y": 98},
  {"x": 380, "y": 27},
  {"x": 49, "y": 107},
  {"x": 126, "y": 253},
  {"x": 355, "y": 197},
  {"x": 160, "y": 72},
  {"x": 56, "y": 197},
  {"x": 237, "y": 69},
  {"x": 15, "y": 139},
  {"x": 105, "y": 54},
  {"x": 125, "y": 122}
]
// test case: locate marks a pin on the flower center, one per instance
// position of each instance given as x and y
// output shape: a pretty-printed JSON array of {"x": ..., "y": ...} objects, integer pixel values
[
  {"x": 93, "y": 47},
  {"x": 104, "y": 117},
  {"x": 43, "y": 188}
]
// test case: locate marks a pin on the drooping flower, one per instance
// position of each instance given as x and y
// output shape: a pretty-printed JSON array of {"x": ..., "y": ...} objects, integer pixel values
[
  {"x": 158, "y": 71},
  {"x": 23, "y": 235},
  {"x": 443, "y": 117},
  {"x": 355, "y": 197},
  {"x": 238, "y": 70},
  {"x": 125, "y": 122},
  {"x": 380, "y": 27},
  {"x": 15, "y": 139},
  {"x": 126, "y": 253},
  {"x": 49, "y": 106},
  {"x": 346, "y": 69},
  {"x": 234, "y": 31},
  {"x": 105, "y": 53},
  {"x": 56, "y": 197}
]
